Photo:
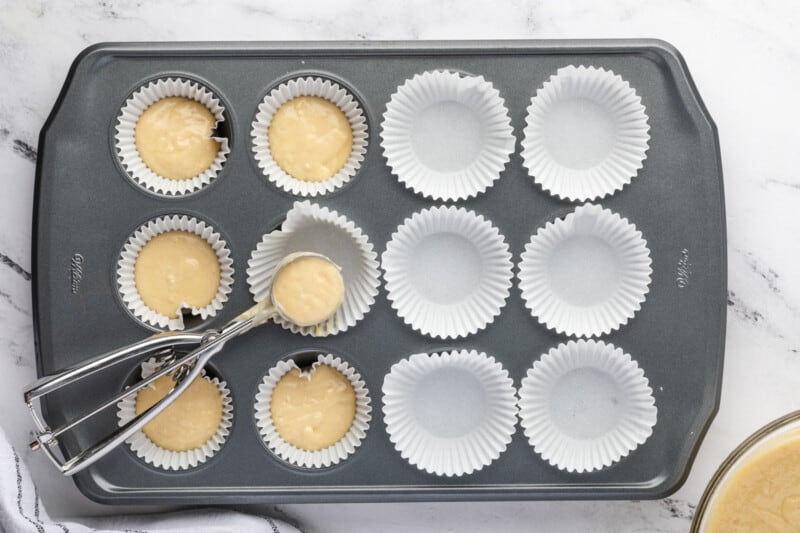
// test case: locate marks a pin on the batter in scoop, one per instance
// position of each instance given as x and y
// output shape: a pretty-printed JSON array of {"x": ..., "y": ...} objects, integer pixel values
[{"x": 308, "y": 290}]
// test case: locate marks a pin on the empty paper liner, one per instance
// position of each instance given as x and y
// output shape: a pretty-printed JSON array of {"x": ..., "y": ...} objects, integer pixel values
[
  {"x": 584, "y": 405},
  {"x": 449, "y": 414},
  {"x": 446, "y": 135},
  {"x": 448, "y": 272},
  {"x": 586, "y": 274},
  {"x": 586, "y": 134}
]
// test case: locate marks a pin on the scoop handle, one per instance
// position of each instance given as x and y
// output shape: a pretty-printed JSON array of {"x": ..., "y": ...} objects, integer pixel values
[{"x": 52, "y": 382}]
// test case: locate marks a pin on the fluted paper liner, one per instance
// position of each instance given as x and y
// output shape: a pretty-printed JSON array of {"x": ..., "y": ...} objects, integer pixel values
[
  {"x": 446, "y": 135},
  {"x": 325, "y": 457},
  {"x": 585, "y": 405},
  {"x": 126, "y": 278},
  {"x": 125, "y": 137},
  {"x": 311, "y": 228},
  {"x": 159, "y": 457},
  {"x": 586, "y": 134},
  {"x": 322, "y": 88},
  {"x": 449, "y": 414},
  {"x": 586, "y": 274},
  {"x": 448, "y": 272}
]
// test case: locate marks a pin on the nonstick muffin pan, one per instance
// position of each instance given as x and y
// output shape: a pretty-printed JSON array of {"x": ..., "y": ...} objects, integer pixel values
[{"x": 87, "y": 206}]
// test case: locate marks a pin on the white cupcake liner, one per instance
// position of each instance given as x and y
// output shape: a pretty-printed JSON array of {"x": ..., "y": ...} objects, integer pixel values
[
  {"x": 322, "y": 88},
  {"x": 325, "y": 457},
  {"x": 586, "y": 134},
  {"x": 448, "y": 272},
  {"x": 586, "y": 274},
  {"x": 125, "y": 137},
  {"x": 126, "y": 278},
  {"x": 449, "y": 414},
  {"x": 585, "y": 405},
  {"x": 447, "y": 136},
  {"x": 312, "y": 228},
  {"x": 159, "y": 457}
]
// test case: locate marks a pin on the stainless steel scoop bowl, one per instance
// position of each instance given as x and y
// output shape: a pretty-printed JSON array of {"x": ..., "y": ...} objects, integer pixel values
[{"x": 184, "y": 369}]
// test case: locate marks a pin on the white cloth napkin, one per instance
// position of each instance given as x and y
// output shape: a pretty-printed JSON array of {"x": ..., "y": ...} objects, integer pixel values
[{"x": 21, "y": 511}]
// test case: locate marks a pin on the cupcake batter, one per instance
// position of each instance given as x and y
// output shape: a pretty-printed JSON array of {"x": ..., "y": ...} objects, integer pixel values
[
  {"x": 315, "y": 410},
  {"x": 308, "y": 290},
  {"x": 173, "y": 137},
  {"x": 188, "y": 422},
  {"x": 764, "y": 493},
  {"x": 310, "y": 138},
  {"x": 174, "y": 269}
]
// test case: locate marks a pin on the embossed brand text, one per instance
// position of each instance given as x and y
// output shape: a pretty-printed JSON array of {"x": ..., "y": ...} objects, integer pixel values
[
  {"x": 76, "y": 272},
  {"x": 684, "y": 270}
]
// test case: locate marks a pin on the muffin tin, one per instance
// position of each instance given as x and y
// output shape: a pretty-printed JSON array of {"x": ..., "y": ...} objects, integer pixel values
[{"x": 86, "y": 207}]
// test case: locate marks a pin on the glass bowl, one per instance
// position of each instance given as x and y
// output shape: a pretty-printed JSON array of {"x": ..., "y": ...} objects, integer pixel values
[{"x": 747, "y": 450}]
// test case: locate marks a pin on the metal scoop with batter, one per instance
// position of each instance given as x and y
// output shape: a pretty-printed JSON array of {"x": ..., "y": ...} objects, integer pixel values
[{"x": 184, "y": 370}]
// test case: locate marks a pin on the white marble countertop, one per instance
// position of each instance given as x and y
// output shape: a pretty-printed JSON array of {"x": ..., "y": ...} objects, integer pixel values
[{"x": 745, "y": 59}]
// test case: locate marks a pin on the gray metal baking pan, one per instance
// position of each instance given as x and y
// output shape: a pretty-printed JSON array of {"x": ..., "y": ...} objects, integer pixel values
[{"x": 86, "y": 207}]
